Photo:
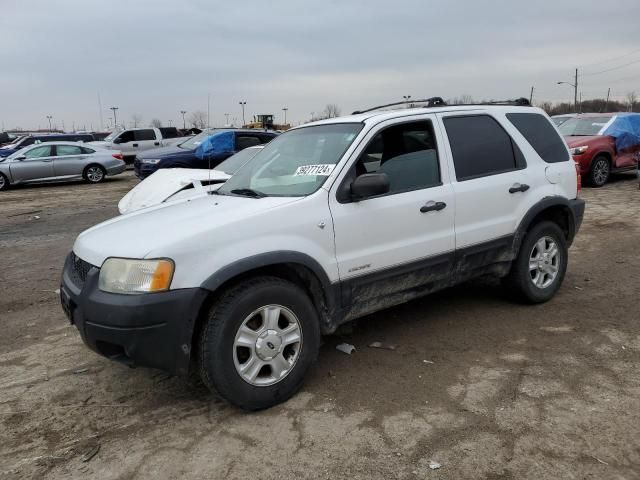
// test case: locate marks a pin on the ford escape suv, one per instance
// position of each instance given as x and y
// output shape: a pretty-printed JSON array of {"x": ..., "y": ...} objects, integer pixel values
[{"x": 331, "y": 221}]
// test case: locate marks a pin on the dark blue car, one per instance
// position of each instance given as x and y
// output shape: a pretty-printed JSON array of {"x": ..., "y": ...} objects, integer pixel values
[
  {"x": 221, "y": 144},
  {"x": 54, "y": 137}
]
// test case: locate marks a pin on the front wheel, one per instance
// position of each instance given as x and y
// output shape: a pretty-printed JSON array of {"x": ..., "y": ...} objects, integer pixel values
[
  {"x": 600, "y": 171},
  {"x": 538, "y": 270},
  {"x": 258, "y": 342}
]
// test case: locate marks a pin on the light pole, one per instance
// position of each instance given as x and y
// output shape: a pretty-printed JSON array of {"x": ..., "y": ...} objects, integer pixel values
[
  {"x": 285, "y": 114},
  {"x": 115, "y": 118},
  {"x": 170, "y": 123},
  {"x": 226, "y": 115},
  {"x": 406, "y": 99},
  {"x": 242, "y": 104},
  {"x": 184, "y": 123},
  {"x": 575, "y": 90},
  {"x": 49, "y": 117}
]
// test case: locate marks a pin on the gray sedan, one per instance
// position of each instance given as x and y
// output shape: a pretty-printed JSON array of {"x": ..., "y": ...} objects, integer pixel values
[{"x": 59, "y": 161}]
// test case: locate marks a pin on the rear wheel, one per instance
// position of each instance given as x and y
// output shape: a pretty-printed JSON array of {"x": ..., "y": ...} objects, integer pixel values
[
  {"x": 600, "y": 171},
  {"x": 4, "y": 182},
  {"x": 538, "y": 270},
  {"x": 94, "y": 174},
  {"x": 259, "y": 341}
]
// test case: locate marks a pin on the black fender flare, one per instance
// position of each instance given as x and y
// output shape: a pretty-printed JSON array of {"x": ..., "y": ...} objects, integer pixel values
[{"x": 573, "y": 208}]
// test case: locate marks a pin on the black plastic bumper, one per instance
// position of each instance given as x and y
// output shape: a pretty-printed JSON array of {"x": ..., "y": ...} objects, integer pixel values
[
  {"x": 150, "y": 330},
  {"x": 577, "y": 208}
]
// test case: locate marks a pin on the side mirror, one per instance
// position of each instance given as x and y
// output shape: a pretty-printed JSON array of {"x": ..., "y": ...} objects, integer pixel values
[
  {"x": 117, "y": 140},
  {"x": 21, "y": 157},
  {"x": 369, "y": 185}
]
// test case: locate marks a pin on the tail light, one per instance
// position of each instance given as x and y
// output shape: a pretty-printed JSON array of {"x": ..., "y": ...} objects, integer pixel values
[
  {"x": 578, "y": 176},
  {"x": 118, "y": 156}
]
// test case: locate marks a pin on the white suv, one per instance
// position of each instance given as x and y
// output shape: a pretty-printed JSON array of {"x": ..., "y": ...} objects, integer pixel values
[{"x": 329, "y": 222}]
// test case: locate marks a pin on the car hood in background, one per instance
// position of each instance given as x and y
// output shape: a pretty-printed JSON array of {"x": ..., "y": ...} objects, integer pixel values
[
  {"x": 164, "y": 184},
  {"x": 165, "y": 152},
  {"x": 579, "y": 140}
]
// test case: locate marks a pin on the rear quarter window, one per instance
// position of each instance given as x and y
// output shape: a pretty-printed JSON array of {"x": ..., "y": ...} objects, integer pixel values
[{"x": 544, "y": 139}]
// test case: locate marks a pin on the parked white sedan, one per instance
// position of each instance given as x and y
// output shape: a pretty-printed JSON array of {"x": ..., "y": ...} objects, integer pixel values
[
  {"x": 59, "y": 161},
  {"x": 171, "y": 184}
]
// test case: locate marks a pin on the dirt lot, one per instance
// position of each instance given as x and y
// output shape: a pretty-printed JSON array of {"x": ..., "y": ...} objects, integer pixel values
[{"x": 484, "y": 387}]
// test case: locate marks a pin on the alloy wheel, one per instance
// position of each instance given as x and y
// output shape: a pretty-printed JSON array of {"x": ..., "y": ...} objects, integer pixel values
[
  {"x": 544, "y": 262},
  {"x": 267, "y": 345}
]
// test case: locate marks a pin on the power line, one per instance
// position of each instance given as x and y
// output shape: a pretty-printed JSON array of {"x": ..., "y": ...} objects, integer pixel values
[
  {"x": 611, "y": 59},
  {"x": 610, "y": 69}
]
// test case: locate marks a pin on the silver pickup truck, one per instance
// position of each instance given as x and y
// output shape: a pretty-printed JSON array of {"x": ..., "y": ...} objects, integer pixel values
[{"x": 134, "y": 140}]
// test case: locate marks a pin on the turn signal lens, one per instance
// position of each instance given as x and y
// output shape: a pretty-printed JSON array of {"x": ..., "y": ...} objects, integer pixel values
[{"x": 131, "y": 276}]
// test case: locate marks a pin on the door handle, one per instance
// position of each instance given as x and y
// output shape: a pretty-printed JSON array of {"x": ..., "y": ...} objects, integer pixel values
[
  {"x": 519, "y": 187},
  {"x": 156, "y": 143},
  {"x": 135, "y": 145},
  {"x": 432, "y": 206},
  {"x": 47, "y": 161}
]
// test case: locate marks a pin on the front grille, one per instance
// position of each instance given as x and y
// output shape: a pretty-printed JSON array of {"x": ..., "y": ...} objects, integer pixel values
[{"x": 79, "y": 269}]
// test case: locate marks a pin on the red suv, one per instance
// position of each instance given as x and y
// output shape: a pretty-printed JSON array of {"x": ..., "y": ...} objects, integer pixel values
[{"x": 595, "y": 151}]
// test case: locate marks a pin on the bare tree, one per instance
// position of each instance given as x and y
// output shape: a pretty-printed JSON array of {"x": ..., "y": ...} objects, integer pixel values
[
  {"x": 156, "y": 123},
  {"x": 466, "y": 99},
  {"x": 198, "y": 119},
  {"x": 632, "y": 99},
  {"x": 136, "y": 119},
  {"x": 331, "y": 111}
]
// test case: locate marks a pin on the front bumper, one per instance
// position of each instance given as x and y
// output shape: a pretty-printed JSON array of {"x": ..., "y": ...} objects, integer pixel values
[
  {"x": 150, "y": 330},
  {"x": 143, "y": 170}
]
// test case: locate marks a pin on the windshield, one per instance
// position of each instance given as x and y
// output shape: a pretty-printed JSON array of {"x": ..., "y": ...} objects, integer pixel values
[
  {"x": 583, "y": 126},
  {"x": 294, "y": 164},
  {"x": 233, "y": 163},
  {"x": 193, "y": 142},
  {"x": 111, "y": 136}
]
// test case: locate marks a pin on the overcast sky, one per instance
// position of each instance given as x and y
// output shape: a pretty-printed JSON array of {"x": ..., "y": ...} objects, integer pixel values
[{"x": 155, "y": 57}]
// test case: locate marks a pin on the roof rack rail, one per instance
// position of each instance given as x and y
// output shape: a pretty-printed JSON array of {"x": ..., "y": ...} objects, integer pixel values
[
  {"x": 431, "y": 102},
  {"x": 439, "y": 102}
]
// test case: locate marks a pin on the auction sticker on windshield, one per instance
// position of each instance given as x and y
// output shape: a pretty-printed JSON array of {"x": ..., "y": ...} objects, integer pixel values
[{"x": 324, "y": 169}]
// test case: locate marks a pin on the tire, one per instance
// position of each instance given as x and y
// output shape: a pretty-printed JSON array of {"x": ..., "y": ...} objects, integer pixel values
[
  {"x": 94, "y": 173},
  {"x": 600, "y": 171},
  {"x": 242, "y": 346},
  {"x": 4, "y": 182},
  {"x": 538, "y": 284}
]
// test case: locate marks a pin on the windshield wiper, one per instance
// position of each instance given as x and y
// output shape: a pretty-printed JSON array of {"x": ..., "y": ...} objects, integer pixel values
[{"x": 247, "y": 192}]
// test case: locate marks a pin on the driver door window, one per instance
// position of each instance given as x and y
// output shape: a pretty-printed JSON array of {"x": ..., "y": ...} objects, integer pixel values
[{"x": 39, "y": 152}]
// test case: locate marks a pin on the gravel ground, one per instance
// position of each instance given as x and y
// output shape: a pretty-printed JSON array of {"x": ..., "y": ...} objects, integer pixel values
[{"x": 482, "y": 386}]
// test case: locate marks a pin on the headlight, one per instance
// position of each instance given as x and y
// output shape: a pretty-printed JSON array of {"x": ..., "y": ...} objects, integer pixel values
[
  {"x": 130, "y": 276},
  {"x": 151, "y": 160},
  {"x": 579, "y": 150}
]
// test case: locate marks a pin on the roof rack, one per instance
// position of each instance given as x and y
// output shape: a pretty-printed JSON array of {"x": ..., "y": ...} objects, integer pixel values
[
  {"x": 431, "y": 102},
  {"x": 439, "y": 102}
]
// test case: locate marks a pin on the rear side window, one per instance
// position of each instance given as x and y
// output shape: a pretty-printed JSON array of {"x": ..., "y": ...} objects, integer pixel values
[
  {"x": 481, "y": 147},
  {"x": 64, "y": 150},
  {"x": 541, "y": 136},
  {"x": 243, "y": 142},
  {"x": 146, "y": 134},
  {"x": 87, "y": 150}
]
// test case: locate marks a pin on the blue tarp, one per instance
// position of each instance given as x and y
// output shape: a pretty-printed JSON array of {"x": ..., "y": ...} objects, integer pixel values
[
  {"x": 216, "y": 144},
  {"x": 625, "y": 129}
]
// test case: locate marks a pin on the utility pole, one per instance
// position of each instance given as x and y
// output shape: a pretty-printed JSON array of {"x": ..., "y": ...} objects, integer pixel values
[
  {"x": 184, "y": 123},
  {"x": 531, "y": 97},
  {"x": 285, "y": 114},
  {"x": 49, "y": 117},
  {"x": 242, "y": 104},
  {"x": 226, "y": 115},
  {"x": 115, "y": 118},
  {"x": 575, "y": 92},
  {"x": 606, "y": 104}
]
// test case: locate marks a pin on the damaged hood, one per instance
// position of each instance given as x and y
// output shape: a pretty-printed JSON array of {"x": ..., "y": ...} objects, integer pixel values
[{"x": 170, "y": 184}]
